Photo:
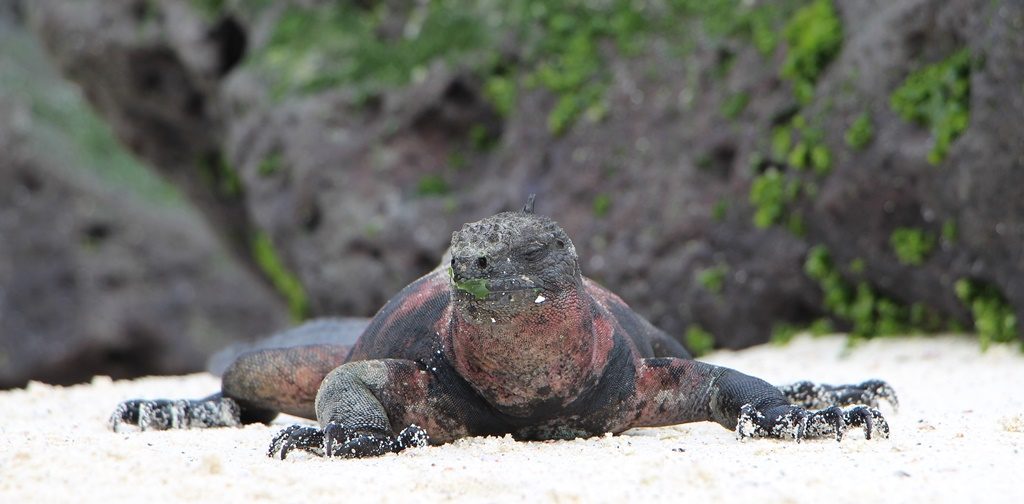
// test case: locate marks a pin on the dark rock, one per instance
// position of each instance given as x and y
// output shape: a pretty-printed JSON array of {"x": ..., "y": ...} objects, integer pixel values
[
  {"x": 152, "y": 69},
  {"x": 102, "y": 270},
  {"x": 95, "y": 282},
  {"x": 653, "y": 195}
]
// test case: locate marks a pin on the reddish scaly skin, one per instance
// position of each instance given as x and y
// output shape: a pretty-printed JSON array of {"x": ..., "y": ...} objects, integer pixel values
[
  {"x": 550, "y": 353},
  {"x": 542, "y": 353}
]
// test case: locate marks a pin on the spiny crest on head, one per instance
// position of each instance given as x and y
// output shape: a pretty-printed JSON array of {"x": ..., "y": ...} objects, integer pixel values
[{"x": 530, "y": 200}]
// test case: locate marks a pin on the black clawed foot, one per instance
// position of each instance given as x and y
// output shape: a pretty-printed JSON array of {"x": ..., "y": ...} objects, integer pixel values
[
  {"x": 163, "y": 414},
  {"x": 786, "y": 422},
  {"x": 336, "y": 440},
  {"x": 413, "y": 436},
  {"x": 870, "y": 418},
  {"x": 341, "y": 442},
  {"x": 811, "y": 395},
  {"x": 793, "y": 422},
  {"x": 303, "y": 437},
  {"x": 874, "y": 391},
  {"x": 826, "y": 422}
]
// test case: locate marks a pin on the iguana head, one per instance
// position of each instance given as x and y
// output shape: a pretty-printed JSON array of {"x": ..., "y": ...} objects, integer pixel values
[{"x": 509, "y": 264}]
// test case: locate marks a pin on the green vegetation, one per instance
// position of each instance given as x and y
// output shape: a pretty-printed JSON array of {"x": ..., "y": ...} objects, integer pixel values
[
  {"x": 994, "y": 319},
  {"x": 949, "y": 231},
  {"x": 814, "y": 36},
  {"x": 313, "y": 49},
  {"x": 562, "y": 45},
  {"x": 568, "y": 58},
  {"x": 500, "y": 90},
  {"x": 719, "y": 210},
  {"x": 783, "y": 333},
  {"x": 756, "y": 22},
  {"x": 856, "y": 266},
  {"x": 821, "y": 327},
  {"x": 602, "y": 205},
  {"x": 860, "y": 133},
  {"x": 734, "y": 105},
  {"x": 283, "y": 280},
  {"x": 911, "y": 245},
  {"x": 801, "y": 146},
  {"x": 869, "y": 313},
  {"x": 218, "y": 175},
  {"x": 208, "y": 8},
  {"x": 270, "y": 165},
  {"x": 432, "y": 185},
  {"x": 698, "y": 340},
  {"x": 481, "y": 139},
  {"x": 795, "y": 224},
  {"x": 771, "y": 194},
  {"x": 938, "y": 97},
  {"x": 713, "y": 279}
]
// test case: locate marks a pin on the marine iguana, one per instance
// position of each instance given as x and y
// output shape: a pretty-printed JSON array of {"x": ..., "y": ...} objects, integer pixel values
[{"x": 505, "y": 337}]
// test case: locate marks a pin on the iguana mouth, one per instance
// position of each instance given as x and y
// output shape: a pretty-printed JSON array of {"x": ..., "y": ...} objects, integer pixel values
[
  {"x": 489, "y": 301},
  {"x": 494, "y": 289}
]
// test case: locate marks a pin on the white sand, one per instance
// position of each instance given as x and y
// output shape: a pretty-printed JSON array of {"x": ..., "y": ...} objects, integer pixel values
[{"x": 959, "y": 437}]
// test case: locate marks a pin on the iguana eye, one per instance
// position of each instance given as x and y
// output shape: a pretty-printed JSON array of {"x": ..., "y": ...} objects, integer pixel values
[{"x": 535, "y": 252}]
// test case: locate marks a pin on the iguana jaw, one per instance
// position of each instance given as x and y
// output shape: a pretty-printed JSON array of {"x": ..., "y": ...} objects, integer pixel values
[{"x": 486, "y": 301}]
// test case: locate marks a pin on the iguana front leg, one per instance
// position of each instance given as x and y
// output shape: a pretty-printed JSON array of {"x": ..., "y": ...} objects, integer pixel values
[
  {"x": 671, "y": 391},
  {"x": 369, "y": 408}
]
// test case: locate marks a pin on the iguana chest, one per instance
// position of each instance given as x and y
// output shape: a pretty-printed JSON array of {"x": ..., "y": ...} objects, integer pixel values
[{"x": 535, "y": 365}]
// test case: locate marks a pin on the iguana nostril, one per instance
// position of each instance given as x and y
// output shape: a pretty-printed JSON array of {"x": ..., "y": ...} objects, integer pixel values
[{"x": 481, "y": 262}]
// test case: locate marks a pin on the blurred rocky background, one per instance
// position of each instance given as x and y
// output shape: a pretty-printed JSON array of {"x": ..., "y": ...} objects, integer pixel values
[{"x": 176, "y": 175}]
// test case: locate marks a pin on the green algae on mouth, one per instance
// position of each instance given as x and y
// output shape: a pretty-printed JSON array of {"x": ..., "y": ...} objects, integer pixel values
[{"x": 475, "y": 286}]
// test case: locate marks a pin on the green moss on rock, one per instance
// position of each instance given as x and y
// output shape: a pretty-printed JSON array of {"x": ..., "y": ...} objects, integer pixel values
[
  {"x": 911, "y": 245},
  {"x": 719, "y": 210},
  {"x": 860, "y": 133},
  {"x": 602, "y": 205},
  {"x": 938, "y": 97},
  {"x": 317, "y": 48},
  {"x": 270, "y": 165},
  {"x": 771, "y": 193},
  {"x": 994, "y": 319},
  {"x": 219, "y": 176},
  {"x": 698, "y": 340},
  {"x": 713, "y": 278},
  {"x": 432, "y": 185},
  {"x": 735, "y": 104},
  {"x": 802, "y": 146},
  {"x": 949, "y": 231},
  {"x": 869, "y": 313},
  {"x": 286, "y": 283},
  {"x": 814, "y": 37}
]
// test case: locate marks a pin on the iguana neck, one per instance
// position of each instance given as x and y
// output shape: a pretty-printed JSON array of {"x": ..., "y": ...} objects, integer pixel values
[{"x": 547, "y": 355}]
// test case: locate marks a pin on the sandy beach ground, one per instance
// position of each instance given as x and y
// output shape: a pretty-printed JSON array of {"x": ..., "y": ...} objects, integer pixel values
[{"x": 958, "y": 437}]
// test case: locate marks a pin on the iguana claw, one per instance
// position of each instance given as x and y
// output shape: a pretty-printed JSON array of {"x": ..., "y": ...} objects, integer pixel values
[
  {"x": 336, "y": 440},
  {"x": 793, "y": 422},
  {"x": 812, "y": 395}
]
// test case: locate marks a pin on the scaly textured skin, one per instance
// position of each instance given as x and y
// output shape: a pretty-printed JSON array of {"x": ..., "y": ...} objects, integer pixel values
[{"x": 509, "y": 337}]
